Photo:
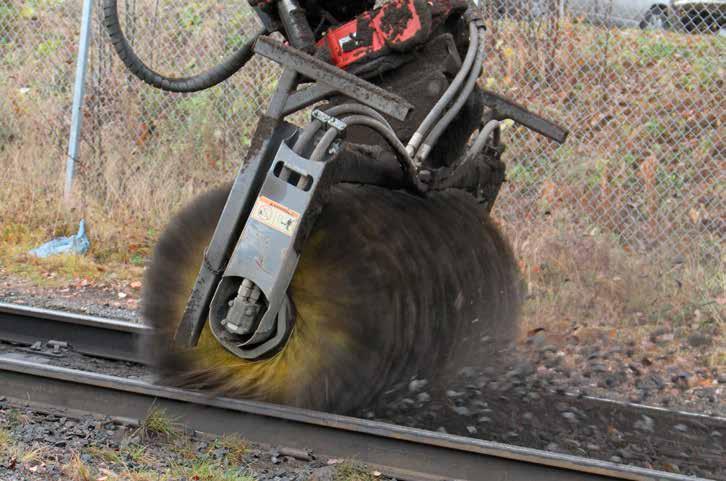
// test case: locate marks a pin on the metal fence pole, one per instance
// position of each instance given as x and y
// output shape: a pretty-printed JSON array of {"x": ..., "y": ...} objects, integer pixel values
[{"x": 78, "y": 91}]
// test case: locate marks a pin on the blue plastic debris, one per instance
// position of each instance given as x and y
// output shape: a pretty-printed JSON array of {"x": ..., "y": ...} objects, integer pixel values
[{"x": 77, "y": 244}]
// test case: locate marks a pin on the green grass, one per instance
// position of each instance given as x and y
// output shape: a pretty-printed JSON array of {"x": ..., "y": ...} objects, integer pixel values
[
  {"x": 206, "y": 471},
  {"x": 151, "y": 468},
  {"x": 158, "y": 425},
  {"x": 6, "y": 441},
  {"x": 107, "y": 455},
  {"x": 350, "y": 471}
]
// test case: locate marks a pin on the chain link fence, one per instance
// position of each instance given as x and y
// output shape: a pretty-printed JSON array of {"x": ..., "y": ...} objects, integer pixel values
[{"x": 642, "y": 90}]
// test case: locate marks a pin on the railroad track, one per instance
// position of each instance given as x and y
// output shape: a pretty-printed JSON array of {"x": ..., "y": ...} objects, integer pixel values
[{"x": 405, "y": 453}]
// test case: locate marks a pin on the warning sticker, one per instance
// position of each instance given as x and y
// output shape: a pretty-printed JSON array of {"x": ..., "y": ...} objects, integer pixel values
[{"x": 275, "y": 215}]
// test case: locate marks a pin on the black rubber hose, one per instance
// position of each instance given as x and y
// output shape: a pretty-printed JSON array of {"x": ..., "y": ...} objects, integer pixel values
[{"x": 202, "y": 81}]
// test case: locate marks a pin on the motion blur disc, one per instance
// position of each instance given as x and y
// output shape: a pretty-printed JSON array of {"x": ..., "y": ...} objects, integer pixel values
[{"x": 389, "y": 285}]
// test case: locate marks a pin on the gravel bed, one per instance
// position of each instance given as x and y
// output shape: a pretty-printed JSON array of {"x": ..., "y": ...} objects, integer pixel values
[
  {"x": 45, "y": 445},
  {"x": 519, "y": 408},
  {"x": 537, "y": 394},
  {"x": 102, "y": 301}
]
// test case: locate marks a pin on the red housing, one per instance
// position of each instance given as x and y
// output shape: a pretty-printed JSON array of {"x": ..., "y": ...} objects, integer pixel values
[{"x": 397, "y": 26}]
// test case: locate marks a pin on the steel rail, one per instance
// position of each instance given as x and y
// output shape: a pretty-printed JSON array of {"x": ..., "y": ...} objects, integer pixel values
[
  {"x": 118, "y": 340},
  {"x": 417, "y": 453},
  {"x": 114, "y": 339},
  {"x": 90, "y": 335}
]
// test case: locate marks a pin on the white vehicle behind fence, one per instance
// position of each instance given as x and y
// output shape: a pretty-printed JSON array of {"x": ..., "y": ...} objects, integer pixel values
[
  {"x": 690, "y": 15},
  {"x": 621, "y": 13}
]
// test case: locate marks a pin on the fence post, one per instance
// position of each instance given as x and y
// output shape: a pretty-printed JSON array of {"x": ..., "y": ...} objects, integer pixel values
[{"x": 78, "y": 92}]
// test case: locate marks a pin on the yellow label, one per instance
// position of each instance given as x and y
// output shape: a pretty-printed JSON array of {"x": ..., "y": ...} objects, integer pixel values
[{"x": 275, "y": 215}]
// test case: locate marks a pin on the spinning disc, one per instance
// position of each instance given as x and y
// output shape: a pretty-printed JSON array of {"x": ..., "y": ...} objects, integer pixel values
[{"x": 389, "y": 285}]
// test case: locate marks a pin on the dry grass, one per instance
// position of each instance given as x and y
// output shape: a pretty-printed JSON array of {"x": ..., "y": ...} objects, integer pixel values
[
  {"x": 206, "y": 471},
  {"x": 122, "y": 228},
  {"x": 236, "y": 447},
  {"x": 14, "y": 418},
  {"x": 158, "y": 426},
  {"x": 577, "y": 275},
  {"x": 350, "y": 471},
  {"x": 22, "y": 455},
  {"x": 77, "y": 470},
  {"x": 199, "y": 472},
  {"x": 6, "y": 442},
  {"x": 106, "y": 455}
]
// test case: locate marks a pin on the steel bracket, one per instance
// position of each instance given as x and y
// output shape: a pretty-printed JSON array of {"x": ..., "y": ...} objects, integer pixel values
[
  {"x": 329, "y": 120},
  {"x": 505, "y": 108},
  {"x": 268, "y": 138},
  {"x": 268, "y": 249},
  {"x": 332, "y": 78}
]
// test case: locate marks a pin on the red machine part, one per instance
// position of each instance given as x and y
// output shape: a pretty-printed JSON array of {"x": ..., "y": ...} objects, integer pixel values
[{"x": 397, "y": 26}]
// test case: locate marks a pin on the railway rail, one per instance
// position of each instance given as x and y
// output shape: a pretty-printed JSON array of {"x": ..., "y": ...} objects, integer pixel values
[
  {"x": 90, "y": 335},
  {"x": 403, "y": 452}
]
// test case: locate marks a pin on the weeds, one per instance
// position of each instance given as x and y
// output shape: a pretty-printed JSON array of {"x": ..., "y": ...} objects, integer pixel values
[
  {"x": 157, "y": 425},
  {"x": 139, "y": 454},
  {"x": 591, "y": 280},
  {"x": 235, "y": 447},
  {"x": 14, "y": 418},
  {"x": 350, "y": 471},
  {"x": 6, "y": 442},
  {"x": 106, "y": 455},
  {"x": 77, "y": 470},
  {"x": 145, "y": 466},
  {"x": 33, "y": 455},
  {"x": 207, "y": 471}
]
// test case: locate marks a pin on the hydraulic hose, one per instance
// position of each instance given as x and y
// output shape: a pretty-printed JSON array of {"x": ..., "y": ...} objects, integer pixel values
[
  {"x": 446, "y": 120},
  {"x": 460, "y": 172},
  {"x": 308, "y": 134},
  {"x": 388, "y": 135},
  {"x": 202, "y": 81},
  {"x": 451, "y": 91}
]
